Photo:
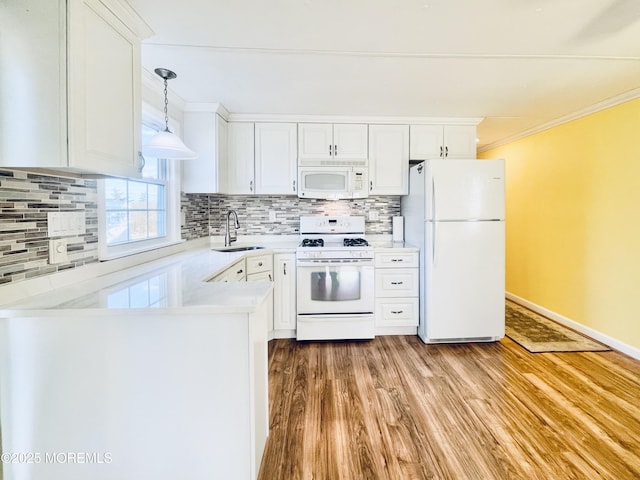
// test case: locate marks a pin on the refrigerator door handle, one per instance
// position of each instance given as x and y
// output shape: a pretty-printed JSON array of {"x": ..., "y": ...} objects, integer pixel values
[
  {"x": 433, "y": 199},
  {"x": 434, "y": 232}
]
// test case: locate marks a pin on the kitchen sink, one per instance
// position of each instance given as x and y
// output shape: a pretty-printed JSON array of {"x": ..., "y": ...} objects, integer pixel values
[{"x": 236, "y": 249}]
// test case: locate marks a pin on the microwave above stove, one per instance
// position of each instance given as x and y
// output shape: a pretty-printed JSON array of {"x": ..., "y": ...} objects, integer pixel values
[{"x": 333, "y": 182}]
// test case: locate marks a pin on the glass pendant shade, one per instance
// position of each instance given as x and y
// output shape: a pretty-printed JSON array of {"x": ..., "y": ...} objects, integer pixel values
[{"x": 167, "y": 145}]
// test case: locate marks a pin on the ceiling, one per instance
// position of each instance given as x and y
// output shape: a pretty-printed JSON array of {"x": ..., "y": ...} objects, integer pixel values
[{"x": 518, "y": 64}]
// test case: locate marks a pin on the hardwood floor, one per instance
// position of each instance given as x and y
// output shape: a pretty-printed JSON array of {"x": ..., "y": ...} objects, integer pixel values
[{"x": 394, "y": 408}]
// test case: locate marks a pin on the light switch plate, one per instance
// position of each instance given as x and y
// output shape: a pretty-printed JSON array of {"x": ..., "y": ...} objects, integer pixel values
[{"x": 58, "y": 251}]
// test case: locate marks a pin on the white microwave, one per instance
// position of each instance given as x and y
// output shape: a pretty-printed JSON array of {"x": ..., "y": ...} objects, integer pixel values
[{"x": 333, "y": 183}]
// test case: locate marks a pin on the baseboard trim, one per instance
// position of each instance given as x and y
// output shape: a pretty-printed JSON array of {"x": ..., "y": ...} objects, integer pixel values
[{"x": 578, "y": 327}]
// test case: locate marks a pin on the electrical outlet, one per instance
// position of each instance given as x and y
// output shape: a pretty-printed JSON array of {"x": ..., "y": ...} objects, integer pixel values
[
  {"x": 58, "y": 251},
  {"x": 272, "y": 215},
  {"x": 373, "y": 215}
]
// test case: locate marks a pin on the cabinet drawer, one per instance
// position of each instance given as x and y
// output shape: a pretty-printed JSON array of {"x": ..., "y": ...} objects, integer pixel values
[
  {"x": 252, "y": 277},
  {"x": 397, "y": 312},
  {"x": 396, "y": 259},
  {"x": 397, "y": 282},
  {"x": 235, "y": 273},
  {"x": 259, "y": 263}
]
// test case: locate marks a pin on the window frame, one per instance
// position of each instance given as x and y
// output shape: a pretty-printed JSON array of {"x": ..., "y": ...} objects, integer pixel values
[{"x": 154, "y": 119}]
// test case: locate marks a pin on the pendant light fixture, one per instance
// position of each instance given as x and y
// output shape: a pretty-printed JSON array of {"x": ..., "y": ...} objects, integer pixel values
[{"x": 166, "y": 144}]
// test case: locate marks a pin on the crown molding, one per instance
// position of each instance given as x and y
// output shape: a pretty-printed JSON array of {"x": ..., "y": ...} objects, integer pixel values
[
  {"x": 597, "y": 107},
  {"x": 261, "y": 117},
  {"x": 207, "y": 107}
]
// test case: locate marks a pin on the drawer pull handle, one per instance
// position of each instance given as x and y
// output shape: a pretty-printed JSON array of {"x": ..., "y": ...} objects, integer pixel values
[
  {"x": 239, "y": 272},
  {"x": 397, "y": 259},
  {"x": 397, "y": 312},
  {"x": 259, "y": 264},
  {"x": 397, "y": 283}
]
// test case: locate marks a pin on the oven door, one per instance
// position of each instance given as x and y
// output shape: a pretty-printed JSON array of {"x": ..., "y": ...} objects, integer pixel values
[{"x": 330, "y": 287}]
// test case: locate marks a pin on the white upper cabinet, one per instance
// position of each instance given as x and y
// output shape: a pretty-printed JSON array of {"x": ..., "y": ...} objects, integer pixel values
[
  {"x": 80, "y": 108},
  {"x": 315, "y": 141},
  {"x": 240, "y": 159},
  {"x": 388, "y": 159},
  {"x": 206, "y": 134},
  {"x": 350, "y": 142},
  {"x": 332, "y": 143},
  {"x": 442, "y": 141},
  {"x": 275, "y": 158}
]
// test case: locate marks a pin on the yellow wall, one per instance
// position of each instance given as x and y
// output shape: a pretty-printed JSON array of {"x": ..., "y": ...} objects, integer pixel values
[{"x": 573, "y": 220}]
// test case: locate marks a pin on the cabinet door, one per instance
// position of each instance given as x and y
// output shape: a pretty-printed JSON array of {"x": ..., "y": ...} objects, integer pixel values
[
  {"x": 275, "y": 158},
  {"x": 239, "y": 165},
  {"x": 221, "y": 155},
  {"x": 460, "y": 141},
  {"x": 206, "y": 134},
  {"x": 284, "y": 303},
  {"x": 33, "y": 122},
  {"x": 388, "y": 159},
  {"x": 425, "y": 142},
  {"x": 350, "y": 142},
  {"x": 315, "y": 141},
  {"x": 104, "y": 105}
]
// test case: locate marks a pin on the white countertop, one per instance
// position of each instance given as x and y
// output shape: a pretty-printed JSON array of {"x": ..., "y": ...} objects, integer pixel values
[{"x": 175, "y": 283}]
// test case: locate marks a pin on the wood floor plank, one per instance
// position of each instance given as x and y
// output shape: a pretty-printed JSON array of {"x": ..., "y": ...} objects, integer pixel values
[{"x": 394, "y": 408}]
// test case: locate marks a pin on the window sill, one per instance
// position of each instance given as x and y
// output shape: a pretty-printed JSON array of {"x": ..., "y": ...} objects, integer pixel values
[{"x": 135, "y": 248}]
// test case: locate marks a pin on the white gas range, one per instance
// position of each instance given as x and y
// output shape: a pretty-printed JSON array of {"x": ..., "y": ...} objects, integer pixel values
[{"x": 335, "y": 294}]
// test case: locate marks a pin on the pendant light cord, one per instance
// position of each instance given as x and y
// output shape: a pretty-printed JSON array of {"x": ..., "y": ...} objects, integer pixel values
[{"x": 166, "y": 105}]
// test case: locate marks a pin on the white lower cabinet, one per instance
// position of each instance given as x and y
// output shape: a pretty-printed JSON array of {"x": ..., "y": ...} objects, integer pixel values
[
  {"x": 234, "y": 273},
  {"x": 284, "y": 296},
  {"x": 397, "y": 280},
  {"x": 260, "y": 267}
]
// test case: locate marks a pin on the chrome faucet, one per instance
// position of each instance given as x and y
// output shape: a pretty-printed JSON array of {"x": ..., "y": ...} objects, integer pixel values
[{"x": 228, "y": 238}]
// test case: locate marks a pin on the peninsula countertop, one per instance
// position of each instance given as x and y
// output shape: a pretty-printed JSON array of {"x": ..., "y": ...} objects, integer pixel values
[{"x": 178, "y": 283}]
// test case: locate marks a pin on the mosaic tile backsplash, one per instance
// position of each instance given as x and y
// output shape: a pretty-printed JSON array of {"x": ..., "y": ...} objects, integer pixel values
[
  {"x": 27, "y": 197},
  {"x": 25, "y": 200},
  {"x": 253, "y": 212}
]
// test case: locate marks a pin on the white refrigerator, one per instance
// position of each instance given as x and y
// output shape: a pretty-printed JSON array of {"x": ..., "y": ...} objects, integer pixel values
[{"x": 455, "y": 213}]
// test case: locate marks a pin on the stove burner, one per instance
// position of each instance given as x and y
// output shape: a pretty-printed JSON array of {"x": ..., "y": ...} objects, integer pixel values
[
  {"x": 312, "y": 242},
  {"x": 355, "y": 242}
]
